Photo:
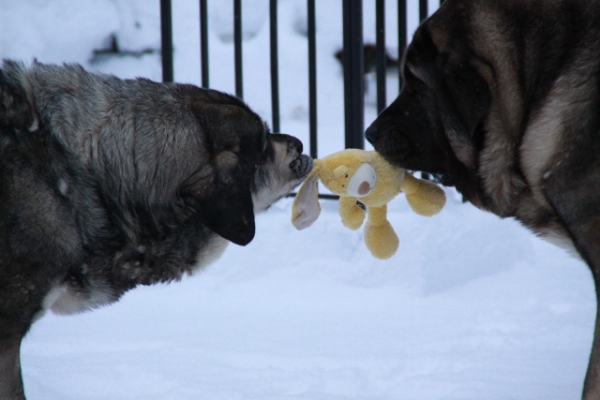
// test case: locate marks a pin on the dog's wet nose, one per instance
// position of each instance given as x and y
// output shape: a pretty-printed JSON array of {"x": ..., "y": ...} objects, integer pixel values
[{"x": 371, "y": 133}]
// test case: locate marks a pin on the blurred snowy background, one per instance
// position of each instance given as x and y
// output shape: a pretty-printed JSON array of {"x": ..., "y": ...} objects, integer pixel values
[{"x": 471, "y": 306}]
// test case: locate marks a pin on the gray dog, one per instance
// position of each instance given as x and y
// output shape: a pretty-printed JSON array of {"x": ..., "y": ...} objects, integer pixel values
[
  {"x": 501, "y": 99},
  {"x": 106, "y": 184}
]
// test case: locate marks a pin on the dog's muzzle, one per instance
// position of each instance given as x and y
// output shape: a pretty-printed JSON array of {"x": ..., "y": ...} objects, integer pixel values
[{"x": 301, "y": 166}]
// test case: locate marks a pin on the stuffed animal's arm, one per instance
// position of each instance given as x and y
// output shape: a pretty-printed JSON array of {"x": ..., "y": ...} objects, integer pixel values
[
  {"x": 380, "y": 237},
  {"x": 424, "y": 197},
  {"x": 352, "y": 215}
]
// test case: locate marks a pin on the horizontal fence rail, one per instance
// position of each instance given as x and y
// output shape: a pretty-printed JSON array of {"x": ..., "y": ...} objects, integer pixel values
[{"x": 353, "y": 60}]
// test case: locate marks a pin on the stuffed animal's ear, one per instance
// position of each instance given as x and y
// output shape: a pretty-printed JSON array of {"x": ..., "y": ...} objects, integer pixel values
[
  {"x": 306, "y": 207},
  {"x": 340, "y": 171},
  {"x": 222, "y": 201}
]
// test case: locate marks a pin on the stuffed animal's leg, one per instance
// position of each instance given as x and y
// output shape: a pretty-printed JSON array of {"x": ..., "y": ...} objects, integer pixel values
[
  {"x": 380, "y": 237},
  {"x": 424, "y": 197},
  {"x": 352, "y": 215}
]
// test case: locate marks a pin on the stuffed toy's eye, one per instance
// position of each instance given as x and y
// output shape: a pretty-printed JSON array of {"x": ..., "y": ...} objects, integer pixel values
[{"x": 362, "y": 182}]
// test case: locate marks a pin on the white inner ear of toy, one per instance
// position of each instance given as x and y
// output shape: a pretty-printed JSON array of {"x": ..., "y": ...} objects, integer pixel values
[{"x": 362, "y": 181}]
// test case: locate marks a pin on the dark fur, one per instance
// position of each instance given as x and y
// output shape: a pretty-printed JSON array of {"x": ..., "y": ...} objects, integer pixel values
[
  {"x": 107, "y": 184},
  {"x": 501, "y": 99}
]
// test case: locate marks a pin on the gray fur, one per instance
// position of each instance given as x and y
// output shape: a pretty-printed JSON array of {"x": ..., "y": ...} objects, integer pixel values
[{"x": 106, "y": 184}]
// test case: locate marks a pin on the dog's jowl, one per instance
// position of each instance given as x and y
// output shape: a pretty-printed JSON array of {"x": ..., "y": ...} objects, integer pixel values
[{"x": 106, "y": 184}]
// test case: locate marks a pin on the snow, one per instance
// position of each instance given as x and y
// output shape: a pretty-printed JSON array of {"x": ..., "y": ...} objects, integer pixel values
[{"x": 471, "y": 306}]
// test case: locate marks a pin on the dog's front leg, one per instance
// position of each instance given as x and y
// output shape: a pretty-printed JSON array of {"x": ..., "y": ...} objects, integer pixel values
[
  {"x": 591, "y": 387},
  {"x": 575, "y": 197},
  {"x": 11, "y": 384}
]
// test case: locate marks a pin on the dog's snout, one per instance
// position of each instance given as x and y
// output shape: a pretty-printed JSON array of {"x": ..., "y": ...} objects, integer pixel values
[
  {"x": 295, "y": 145},
  {"x": 371, "y": 133}
]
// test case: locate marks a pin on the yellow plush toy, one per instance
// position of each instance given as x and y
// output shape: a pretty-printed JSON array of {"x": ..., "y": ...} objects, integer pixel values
[{"x": 365, "y": 176}]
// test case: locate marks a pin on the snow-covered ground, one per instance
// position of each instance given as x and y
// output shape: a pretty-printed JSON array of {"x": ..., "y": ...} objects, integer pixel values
[{"x": 471, "y": 306}]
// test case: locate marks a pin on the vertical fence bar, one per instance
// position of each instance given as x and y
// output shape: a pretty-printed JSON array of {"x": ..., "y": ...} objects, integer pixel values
[
  {"x": 312, "y": 77},
  {"x": 274, "y": 65},
  {"x": 423, "y": 14},
  {"x": 237, "y": 39},
  {"x": 423, "y": 11},
  {"x": 166, "y": 35},
  {"x": 353, "y": 61},
  {"x": 401, "y": 36},
  {"x": 204, "y": 43},
  {"x": 380, "y": 54}
]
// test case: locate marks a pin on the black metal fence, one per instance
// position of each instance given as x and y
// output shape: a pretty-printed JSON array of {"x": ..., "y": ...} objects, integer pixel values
[{"x": 353, "y": 59}]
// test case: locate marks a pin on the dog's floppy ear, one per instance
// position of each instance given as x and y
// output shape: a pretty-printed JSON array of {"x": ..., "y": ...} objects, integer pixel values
[
  {"x": 219, "y": 194},
  {"x": 306, "y": 208},
  {"x": 467, "y": 95},
  {"x": 461, "y": 93},
  {"x": 469, "y": 92},
  {"x": 220, "y": 191},
  {"x": 457, "y": 84}
]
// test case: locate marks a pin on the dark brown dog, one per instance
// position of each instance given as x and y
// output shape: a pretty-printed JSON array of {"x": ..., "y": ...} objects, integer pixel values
[{"x": 501, "y": 99}]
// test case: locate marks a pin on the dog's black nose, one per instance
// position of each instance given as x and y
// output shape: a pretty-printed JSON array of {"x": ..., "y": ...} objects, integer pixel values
[{"x": 371, "y": 133}]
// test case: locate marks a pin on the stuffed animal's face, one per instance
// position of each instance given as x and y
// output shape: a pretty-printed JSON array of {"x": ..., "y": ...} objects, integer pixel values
[
  {"x": 355, "y": 181},
  {"x": 337, "y": 171},
  {"x": 361, "y": 174}
]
